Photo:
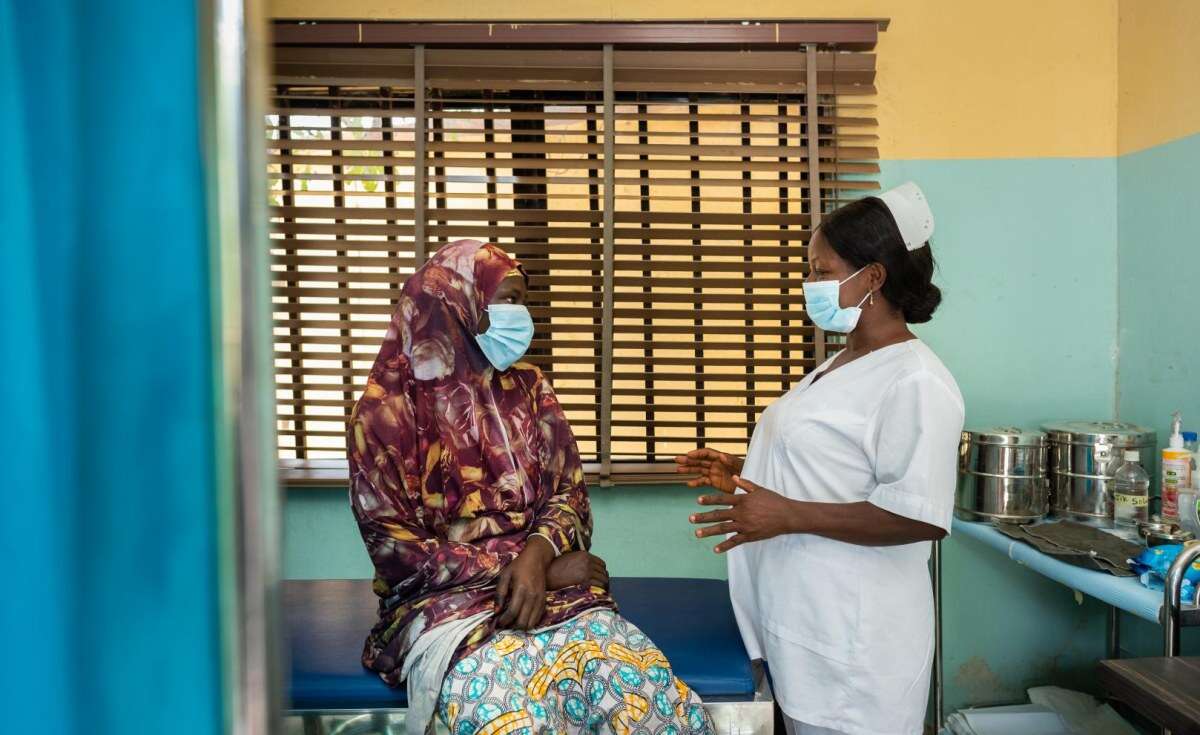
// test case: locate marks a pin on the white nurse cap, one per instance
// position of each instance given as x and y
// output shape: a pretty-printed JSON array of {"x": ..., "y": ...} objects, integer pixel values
[{"x": 912, "y": 214}]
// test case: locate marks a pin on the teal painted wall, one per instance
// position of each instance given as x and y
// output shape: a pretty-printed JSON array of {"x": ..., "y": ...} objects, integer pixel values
[
  {"x": 1018, "y": 242},
  {"x": 639, "y": 531},
  {"x": 1160, "y": 284}
]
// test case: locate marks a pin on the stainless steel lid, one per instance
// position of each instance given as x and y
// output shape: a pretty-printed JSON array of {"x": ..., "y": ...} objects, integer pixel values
[
  {"x": 1005, "y": 435},
  {"x": 1156, "y": 524},
  {"x": 1158, "y": 531},
  {"x": 1117, "y": 433}
]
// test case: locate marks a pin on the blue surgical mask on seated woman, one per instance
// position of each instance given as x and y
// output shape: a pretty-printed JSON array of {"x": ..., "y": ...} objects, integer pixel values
[
  {"x": 509, "y": 333},
  {"x": 823, "y": 301}
]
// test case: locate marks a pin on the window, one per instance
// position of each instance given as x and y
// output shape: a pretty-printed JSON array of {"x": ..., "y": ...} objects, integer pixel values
[{"x": 658, "y": 181}]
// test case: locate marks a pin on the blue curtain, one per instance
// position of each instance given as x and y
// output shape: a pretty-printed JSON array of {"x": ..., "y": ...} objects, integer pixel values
[{"x": 109, "y": 622}]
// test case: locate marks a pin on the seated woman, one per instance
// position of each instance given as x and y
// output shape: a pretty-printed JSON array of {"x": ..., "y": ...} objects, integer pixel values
[{"x": 469, "y": 493}]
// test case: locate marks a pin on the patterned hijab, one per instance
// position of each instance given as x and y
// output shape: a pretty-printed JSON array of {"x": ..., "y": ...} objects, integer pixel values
[{"x": 454, "y": 464}]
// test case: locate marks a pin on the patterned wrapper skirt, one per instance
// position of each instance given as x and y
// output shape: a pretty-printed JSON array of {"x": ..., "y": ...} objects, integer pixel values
[{"x": 595, "y": 674}]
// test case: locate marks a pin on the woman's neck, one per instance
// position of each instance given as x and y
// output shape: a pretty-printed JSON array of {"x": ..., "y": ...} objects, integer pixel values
[{"x": 884, "y": 327}]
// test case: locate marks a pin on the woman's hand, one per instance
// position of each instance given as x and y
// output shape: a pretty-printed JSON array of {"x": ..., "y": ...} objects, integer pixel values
[
  {"x": 522, "y": 591},
  {"x": 577, "y": 568},
  {"x": 714, "y": 468},
  {"x": 757, "y": 515}
]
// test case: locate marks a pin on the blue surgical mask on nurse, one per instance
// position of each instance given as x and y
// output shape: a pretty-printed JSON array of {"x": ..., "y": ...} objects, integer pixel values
[{"x": 823, "y": 301}]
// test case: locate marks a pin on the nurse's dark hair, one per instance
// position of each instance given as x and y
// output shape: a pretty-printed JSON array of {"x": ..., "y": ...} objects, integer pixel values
[{"x": 864, "y": 232}]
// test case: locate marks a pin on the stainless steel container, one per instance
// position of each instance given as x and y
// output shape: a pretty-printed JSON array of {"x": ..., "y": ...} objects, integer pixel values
[
  {"x": 1158, "y": 532},
  {"x": 1002, "y": 475},
  {"x": 1084, "y": 457}
]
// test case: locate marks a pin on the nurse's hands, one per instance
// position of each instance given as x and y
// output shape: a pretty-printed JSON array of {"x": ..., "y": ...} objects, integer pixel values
[
  {"x": 714, "y": 468},
  {"x": 756, "y": 515},
  {"x": 522, "y": 591}
]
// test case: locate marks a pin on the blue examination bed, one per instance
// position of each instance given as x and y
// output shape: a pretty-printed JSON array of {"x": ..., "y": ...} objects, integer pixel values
[{"x": 691, "y": 620}]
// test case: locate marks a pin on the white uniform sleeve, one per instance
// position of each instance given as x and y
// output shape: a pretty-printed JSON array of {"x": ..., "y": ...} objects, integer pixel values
[{"x": 916, "y": 437}]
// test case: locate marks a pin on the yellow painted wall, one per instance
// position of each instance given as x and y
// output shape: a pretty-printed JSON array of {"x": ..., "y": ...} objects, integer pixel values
[
  {"x": 957, "y": 78},
  {"x": 1159, "y": 87}
]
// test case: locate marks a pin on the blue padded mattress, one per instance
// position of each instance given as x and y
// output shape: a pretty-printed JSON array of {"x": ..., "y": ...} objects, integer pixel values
[{"x": 325, "y": 622}]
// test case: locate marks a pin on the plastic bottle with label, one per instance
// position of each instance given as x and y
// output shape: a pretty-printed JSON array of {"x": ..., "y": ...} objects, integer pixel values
[
  {"x": 1189, "y": 511},
  {"x": 1131, "y": 490},
  {"x": 1191, "y": 442},
  {"x": 1176, "y": 470},
  {"x": 1189, "y": 499}
]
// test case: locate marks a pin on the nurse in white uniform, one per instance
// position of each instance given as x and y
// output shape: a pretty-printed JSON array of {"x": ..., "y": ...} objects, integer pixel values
[{"x": 849, "y": 478}]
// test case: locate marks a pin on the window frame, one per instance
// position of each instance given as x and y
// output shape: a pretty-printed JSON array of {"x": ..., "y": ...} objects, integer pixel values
[{"x": 609, "y": 38}]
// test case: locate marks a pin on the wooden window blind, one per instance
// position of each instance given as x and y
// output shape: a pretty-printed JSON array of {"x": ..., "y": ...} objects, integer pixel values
[{"x": 658, "y": 181}]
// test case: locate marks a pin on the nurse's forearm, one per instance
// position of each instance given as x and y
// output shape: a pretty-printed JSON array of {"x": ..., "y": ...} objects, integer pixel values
[{"x": 860, "y": 523}]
